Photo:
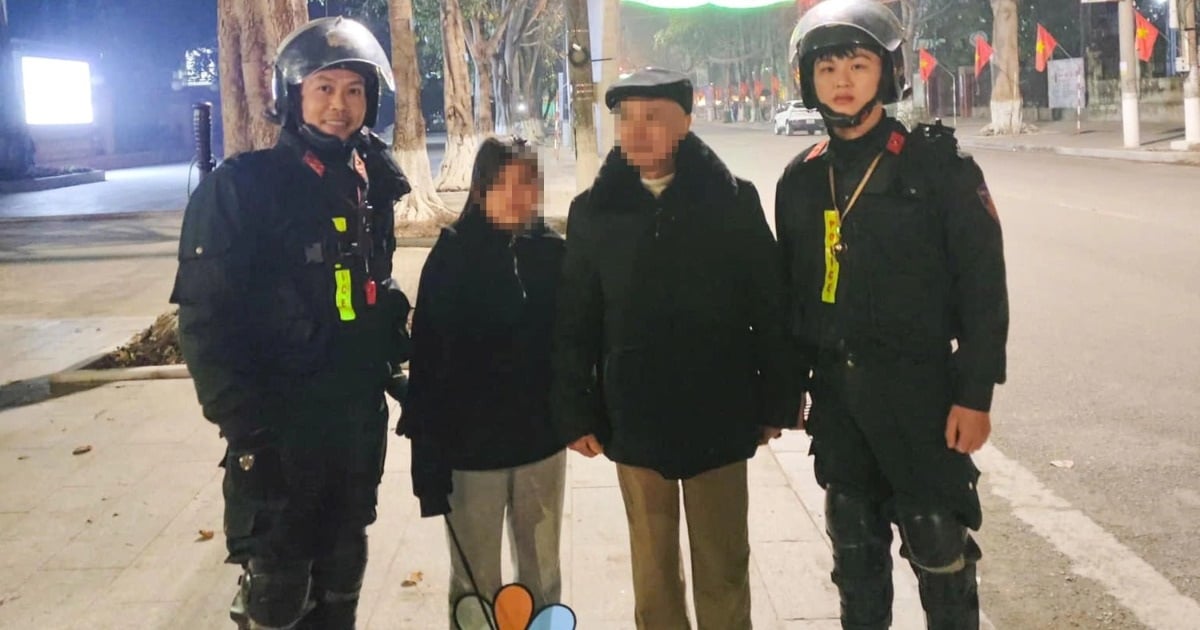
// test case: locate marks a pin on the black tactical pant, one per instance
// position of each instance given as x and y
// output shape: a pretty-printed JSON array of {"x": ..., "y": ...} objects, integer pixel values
[
  {"x": 296, "y": 513},
  {"x": 878, "y": 429}
]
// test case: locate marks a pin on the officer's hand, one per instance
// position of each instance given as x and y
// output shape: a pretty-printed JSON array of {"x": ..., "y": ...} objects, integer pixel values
[
  {"x": 588, "y": 446},
  {"x": 967, "y": 429},
  {"x": 768, "y": 434}
]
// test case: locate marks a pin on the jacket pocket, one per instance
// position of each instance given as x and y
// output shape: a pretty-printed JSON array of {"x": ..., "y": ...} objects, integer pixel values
[{"x": 254, "y": 487}]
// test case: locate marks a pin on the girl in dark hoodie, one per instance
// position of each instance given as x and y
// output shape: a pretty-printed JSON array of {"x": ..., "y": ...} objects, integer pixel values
[{"x": 478, "y": 401}]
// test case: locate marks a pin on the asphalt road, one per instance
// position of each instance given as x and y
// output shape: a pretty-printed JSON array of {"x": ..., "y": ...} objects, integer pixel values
[{"x": 1104, "y": 374}]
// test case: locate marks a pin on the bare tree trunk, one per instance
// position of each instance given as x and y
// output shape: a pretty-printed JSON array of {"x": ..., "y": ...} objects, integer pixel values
[
  {"x": 460, "y": 126},
  {"x": 485, "y": 65},
  {"x": 484, "y": 50},
  {"x": 248, "y": 32},
  {"x": 408, "y": 141},
  {"x": 1006, "y": 89}
]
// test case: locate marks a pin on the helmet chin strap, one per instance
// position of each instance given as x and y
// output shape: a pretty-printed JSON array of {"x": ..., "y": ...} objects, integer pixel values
[
  {"x": 324, "y": 142},
  {"x": 835, "y": 120}
]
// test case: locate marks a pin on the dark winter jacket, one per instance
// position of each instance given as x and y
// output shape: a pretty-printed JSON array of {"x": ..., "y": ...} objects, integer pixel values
[
  {"x": 287, "y": 305},
  {"x": 670, "y": 338},
  {"x": 921, "y": 265},
  {"x": 478, "y": 395}
]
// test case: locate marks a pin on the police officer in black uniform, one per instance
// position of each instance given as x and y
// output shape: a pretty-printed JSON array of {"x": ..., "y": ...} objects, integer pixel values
[
  {"x": 292, "y": 327},
  {"x": 900, "y": 314}
]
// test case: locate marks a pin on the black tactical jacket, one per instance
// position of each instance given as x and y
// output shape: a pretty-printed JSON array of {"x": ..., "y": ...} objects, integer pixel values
[
  {"x": 287, "y": 305},
  {"x": 920, "y": 264}
]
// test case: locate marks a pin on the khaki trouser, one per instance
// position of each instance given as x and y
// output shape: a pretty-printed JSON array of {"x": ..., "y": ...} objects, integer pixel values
[
  {"x": 716, "y": 504},
  {"x": 531, "y": 497}
]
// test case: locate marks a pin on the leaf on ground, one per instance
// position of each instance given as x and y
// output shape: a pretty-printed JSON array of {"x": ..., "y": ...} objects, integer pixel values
[
  {"x": 1063, "y": 463},
  {"x": 205, "y": 534},
  {"x": 80, "y": 450},
  {"x": 414, "y": 579}
]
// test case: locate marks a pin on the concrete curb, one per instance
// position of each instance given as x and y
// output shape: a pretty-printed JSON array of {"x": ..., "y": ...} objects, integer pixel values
[
  {"x": 51, "y": 183},
  {"x": 1185, "y": 158},
  {"x": 98, "y": 216},
  {"x": 74, "y": 380}
]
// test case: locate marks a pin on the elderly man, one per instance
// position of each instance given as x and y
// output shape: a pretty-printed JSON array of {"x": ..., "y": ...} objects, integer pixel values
[{"x": 670, "y": 348}]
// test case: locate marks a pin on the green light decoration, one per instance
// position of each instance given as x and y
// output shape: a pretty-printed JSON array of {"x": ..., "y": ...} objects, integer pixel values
[{"x": 692, "y": 4}]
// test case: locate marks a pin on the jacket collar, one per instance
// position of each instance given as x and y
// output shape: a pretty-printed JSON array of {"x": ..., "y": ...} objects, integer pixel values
[{"x": 700, "y": 177}]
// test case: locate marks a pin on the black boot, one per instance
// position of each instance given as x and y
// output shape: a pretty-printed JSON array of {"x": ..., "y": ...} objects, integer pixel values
[{"x": 950, "y": 600}]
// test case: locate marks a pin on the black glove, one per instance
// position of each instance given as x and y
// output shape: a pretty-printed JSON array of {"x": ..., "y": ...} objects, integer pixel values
[{"x": 397, "y": 386}]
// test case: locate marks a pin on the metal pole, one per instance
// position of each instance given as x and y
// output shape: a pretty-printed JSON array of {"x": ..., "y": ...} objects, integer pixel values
[
  {"x": 1172, "y": 36},
  {"x": 610, "y": 50},
  {"x": 1191, "y": 87},
  {"x": 583, "y": 93},
  {"x": 1129, "y": 76}
]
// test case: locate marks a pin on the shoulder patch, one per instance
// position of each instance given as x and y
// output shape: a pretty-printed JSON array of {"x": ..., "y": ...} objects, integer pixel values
[
  {"x": 985, "y": 197},
  {"x": 895, "y": 143},
  {"x": 817, "y": 151}
]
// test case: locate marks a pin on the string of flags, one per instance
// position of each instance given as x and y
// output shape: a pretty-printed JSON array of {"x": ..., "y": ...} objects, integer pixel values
[{"x": 1146, "y": 35}]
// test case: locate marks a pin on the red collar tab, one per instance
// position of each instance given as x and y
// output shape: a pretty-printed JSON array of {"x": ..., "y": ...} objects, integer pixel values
[
  {"x": 314, "y": 163},
  {"x": 895, "y": 143},
  {"x": 817, "y": 151}
]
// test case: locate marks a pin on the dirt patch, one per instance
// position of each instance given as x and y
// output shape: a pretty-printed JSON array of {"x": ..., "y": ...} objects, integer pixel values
[{"x": 157, "y": 345}]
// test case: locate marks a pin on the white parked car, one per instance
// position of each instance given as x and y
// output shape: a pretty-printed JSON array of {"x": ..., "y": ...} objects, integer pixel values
[{"x": 795, "y": 117}]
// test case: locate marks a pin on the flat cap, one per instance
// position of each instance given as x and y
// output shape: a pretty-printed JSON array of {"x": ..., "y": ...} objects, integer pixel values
[{"x": 652, "y": 83}]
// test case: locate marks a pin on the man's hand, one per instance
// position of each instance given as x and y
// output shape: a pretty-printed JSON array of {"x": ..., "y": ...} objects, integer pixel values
[
  {"x": 588, "y": 446},
  {"x": 768, "y": 434},
  {"x": 967, "y": 429}
]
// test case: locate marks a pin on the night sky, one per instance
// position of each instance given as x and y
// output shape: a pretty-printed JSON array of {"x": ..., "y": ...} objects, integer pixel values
[{"x": 150, "y": 33}]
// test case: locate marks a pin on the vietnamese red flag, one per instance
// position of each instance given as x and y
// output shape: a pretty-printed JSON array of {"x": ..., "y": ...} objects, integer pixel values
[
  {"x": 1147, "y": 34},
  {"x": 1045, "y": 47},
  {"x": 928, "y": 63},
  {"x": 983, "y": 55},
  {"x": 776, "y": 86}
]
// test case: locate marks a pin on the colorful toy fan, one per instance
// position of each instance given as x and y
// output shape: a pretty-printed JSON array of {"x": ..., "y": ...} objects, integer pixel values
[{"x": 512, "y": 609}]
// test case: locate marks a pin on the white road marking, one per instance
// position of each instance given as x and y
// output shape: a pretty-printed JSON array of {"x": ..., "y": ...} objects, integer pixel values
[{"x": 1093, "y": 552}]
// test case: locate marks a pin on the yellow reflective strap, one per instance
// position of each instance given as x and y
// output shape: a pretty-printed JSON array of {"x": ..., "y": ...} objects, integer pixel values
[
  {"x": 833, "y": 236},
  {"x": 343, "y": 295},
  {"x": 339, "y": 224}
]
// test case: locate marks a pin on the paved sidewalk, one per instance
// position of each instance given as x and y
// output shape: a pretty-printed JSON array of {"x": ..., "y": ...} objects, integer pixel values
[
  {"x": 1094, "y": 139},
  {"x": 110, "y": 538}
]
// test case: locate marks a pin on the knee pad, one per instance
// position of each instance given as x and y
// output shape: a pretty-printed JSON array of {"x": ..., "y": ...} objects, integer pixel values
[
  {"x": 338, "y": 574},
  {"x": 936, "y": 541},
  {"x": 274, "y": 595},
  {"x": 861, "y": 535}
]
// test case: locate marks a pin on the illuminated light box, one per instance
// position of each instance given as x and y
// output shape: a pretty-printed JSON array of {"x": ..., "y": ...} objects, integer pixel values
[
  {"x": 692, "y": 4},
  {"x": 57, "y": 91}
]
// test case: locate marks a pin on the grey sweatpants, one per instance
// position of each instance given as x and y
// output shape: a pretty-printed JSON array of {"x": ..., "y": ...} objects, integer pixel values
[{"x": 531, "y": 497}]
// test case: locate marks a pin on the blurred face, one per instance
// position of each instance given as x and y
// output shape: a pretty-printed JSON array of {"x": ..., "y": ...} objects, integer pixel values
[
  {"x": 515, "y": 197},
  {"x": 649, "y": 131},
  {"x": 334, "y": 101},
  {"x": 847, "y": 84}
]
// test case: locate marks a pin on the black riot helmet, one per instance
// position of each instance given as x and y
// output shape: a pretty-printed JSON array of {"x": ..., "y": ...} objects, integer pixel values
[
  {"x": 325, "y": 44},
  {"x": 846, "y": 24}
]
